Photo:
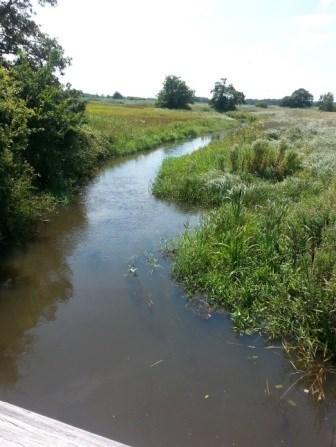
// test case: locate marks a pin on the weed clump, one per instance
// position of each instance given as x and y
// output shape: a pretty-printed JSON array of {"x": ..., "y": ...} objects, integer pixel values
[{"x": 265, "y": 160}]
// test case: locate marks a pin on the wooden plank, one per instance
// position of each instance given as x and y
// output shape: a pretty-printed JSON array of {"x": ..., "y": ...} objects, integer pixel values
[{"x": 23, "y": 428}]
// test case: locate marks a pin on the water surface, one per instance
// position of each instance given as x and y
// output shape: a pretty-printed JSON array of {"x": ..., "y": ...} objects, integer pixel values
[{"x": 94, "y": 332}]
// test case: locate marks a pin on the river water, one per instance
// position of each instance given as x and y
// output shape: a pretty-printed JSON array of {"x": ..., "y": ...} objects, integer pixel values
[{"x": 94, "y": 332}]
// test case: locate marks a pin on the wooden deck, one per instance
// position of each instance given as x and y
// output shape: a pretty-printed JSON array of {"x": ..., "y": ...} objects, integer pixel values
[{"x": 19, "y": 427}]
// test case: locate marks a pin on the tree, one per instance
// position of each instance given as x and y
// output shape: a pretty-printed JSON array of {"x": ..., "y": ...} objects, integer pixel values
[
  {"x": 45, "y": 147},
  {"x": 225, "y": 97},
  {"x": 20, "y": 33},
  {"x": 54, "y": 149},
  {"x": 175, "y": 94},
  {"x": 300, "y": 99},
  {"x": 326, "y": 102},
  {"x": 117, "y": 95},
  {"x": 15, "y": 175}
]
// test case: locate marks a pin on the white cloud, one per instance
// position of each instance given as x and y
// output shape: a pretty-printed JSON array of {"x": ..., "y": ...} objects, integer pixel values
[
  {"x": 318, "y": 20},
  {"x": 327, "y": 3},
  {"x": 313, "y": 31}
]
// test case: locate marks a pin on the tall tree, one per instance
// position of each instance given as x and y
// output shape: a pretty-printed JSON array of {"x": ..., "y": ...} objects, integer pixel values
[
  {"x": 326, "y": 102},
  {"x": 225, "y": 97},
  {"x": 45, "y": 147},
  {"x": 175, "y": 94},
  {"x": 300, "y": 99},
  {"x": 117, "y": 95},
  {"x": 19, "y": 33}
]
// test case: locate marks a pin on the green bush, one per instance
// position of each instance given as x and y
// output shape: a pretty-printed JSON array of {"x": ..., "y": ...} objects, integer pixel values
[
  {"x": 45, "y": 147},
  {"x": 20, "y": 205}
]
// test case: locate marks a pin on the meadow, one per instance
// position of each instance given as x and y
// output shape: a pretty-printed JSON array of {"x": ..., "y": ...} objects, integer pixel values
[
  {"x": 266, "y": 248},
  {"x": 130, "y": 128}
]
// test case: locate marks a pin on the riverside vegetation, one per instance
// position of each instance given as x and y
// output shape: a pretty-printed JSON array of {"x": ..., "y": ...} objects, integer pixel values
[
  {"x": 266, "y": 249},
  {"x": 49, "y": 145},
  {"x": 40, "y": 170}
]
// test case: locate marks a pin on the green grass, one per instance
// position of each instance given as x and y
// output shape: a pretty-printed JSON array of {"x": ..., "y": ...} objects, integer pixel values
[
  {"x": 127, "y": 129},
  {"x": 266, "y": 250}
]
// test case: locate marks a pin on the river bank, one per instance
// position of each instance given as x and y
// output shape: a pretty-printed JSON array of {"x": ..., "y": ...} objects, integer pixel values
[{"x": 266, "y": 253}]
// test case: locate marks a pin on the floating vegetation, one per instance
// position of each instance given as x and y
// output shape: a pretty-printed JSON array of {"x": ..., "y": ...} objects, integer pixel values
[{"x": 132, "y": 270}]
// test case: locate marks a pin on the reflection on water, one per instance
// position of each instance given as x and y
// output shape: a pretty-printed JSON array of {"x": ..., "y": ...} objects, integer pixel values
[
  {"x": 33, "y": 282},
  {"x": 94, "y": 332}
]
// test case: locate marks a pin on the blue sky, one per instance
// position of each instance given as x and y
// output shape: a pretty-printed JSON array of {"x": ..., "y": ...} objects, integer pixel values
[{"x": 267, "y": 48}]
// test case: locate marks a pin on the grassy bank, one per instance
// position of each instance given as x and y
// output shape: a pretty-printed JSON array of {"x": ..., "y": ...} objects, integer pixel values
[
  {"x": 266, "y": 250},
  {"x": 127, "y": 129},
  {"x": 59, "y": 158}
]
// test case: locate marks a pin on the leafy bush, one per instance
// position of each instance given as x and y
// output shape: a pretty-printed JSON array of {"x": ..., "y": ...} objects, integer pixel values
[
  {"x": 45, "y": 149},
  {"x": 20, "y": 204}
]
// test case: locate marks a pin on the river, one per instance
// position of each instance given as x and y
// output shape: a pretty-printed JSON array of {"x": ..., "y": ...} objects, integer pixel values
[{"x": 95, "y": 333}]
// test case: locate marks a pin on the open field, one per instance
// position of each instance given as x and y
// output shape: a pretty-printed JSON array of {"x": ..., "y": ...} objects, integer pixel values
[
  {"x": 266, "y": 251},
  {"x": 127, "y": 129}
]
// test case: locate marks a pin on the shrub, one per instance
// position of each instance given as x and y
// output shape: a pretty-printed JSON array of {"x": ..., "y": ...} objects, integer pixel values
[{"x": 20, "y": 206}]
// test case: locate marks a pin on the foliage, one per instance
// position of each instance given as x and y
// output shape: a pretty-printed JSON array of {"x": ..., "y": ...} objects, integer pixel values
[
  {"x": 326, "y": 102},
  {"x": 225, "y": 97},
  {"x": 46, "y": 148},
  {"x": 19, "y": 33},
  {"x": 20, "y": 205},
  {"x": 56, "y": 149},
  {"x": 300, "y": 99},
  {"x": 175, "y": 94},
  {"x": 117, "y": 95}
]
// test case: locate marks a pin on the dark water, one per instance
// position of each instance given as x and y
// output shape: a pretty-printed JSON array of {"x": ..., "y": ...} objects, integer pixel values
[{"x": 95, "y": 333}]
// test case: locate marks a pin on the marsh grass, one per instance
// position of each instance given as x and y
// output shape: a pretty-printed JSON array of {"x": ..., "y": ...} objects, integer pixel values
[
  {"x": 266, "y": 251},
  {"x": 127, "y": 129}
]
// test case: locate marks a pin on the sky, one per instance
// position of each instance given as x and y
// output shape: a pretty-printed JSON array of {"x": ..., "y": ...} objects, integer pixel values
[{"x": 266, "y": 48}]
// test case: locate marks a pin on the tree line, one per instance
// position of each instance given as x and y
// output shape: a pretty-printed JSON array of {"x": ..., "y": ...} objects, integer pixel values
[
  {"x": 175, "y": 94},
  {"x": 302, "y": 98}
]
